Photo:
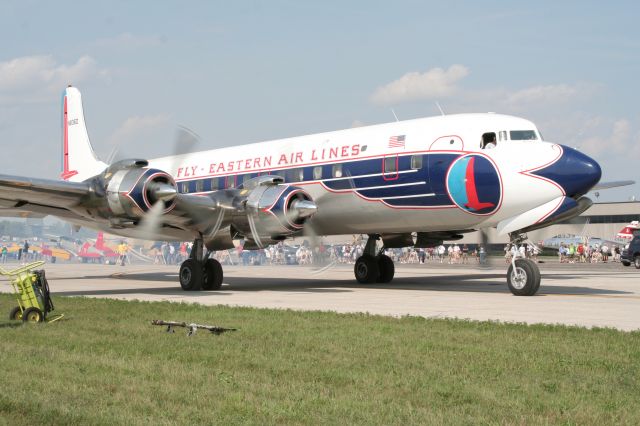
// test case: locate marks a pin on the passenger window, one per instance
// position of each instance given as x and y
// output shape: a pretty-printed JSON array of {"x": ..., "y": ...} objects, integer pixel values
[
  {"x": 337, "y": 170},
  {"x": 231, "y": 181},
  {"x": 317, "y": 173},
  {"x": 488, "y": 140},
  {"x": 390, "y": 165},
  {"x": 185, "y": 187},
  {"x": 214, "y": 184},
  {"x": 416, "y": 162},
  {"x": 199, "y": 185},
  {"x": 294, "y": 175}
]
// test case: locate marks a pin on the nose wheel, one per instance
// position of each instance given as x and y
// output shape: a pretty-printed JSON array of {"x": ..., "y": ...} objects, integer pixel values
[
  {"x": 524, "y": 279},
  {"x": 523, "y": 276}
]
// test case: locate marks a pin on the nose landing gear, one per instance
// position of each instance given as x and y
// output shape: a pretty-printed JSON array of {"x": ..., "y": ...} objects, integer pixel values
[{"x": 523, "y": 276}]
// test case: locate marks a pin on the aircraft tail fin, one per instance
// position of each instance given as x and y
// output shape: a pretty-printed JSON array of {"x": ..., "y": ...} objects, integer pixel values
[{"x": 79, "y": 162}]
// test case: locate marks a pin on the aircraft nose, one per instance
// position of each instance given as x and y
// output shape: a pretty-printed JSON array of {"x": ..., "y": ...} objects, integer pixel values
[{"x": 576, "y": 172}]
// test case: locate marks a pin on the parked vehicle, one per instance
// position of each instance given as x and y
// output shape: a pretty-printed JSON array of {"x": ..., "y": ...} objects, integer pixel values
[{"x": 631, "y": 253}]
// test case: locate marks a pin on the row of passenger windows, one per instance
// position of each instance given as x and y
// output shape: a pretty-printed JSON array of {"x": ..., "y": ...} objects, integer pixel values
[{"x": 290, "y": 175}]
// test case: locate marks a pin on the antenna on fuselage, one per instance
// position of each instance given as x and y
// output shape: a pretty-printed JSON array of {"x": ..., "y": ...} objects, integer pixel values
[
  {"x": 440, "y": 108},
  {"x": 394, "y": 114}
]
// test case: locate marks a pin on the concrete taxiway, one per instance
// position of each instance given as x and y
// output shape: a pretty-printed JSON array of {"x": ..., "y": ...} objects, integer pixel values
[{"x": 586, "y": 295}]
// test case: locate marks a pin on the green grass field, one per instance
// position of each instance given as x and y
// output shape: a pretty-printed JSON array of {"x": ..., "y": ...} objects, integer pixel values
[{"x": 106, "y": 364}]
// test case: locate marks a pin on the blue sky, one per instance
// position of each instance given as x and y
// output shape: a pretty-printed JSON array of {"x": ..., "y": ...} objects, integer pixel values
[{"x": 240, "y": 72}]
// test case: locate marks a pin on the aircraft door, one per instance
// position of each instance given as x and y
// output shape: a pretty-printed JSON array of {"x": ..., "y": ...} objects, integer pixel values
[
  {"x": 390, "y": 167},
  {"x": 442, "y": 152},
  {"x": 438, "y": 165}
]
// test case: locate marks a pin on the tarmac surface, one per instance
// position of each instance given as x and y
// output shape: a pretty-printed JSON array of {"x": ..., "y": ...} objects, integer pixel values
[{"x": 590, "y": 295}]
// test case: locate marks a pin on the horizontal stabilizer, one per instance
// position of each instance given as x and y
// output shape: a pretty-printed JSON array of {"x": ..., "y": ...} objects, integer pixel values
[{"x": 612, "y": 184}]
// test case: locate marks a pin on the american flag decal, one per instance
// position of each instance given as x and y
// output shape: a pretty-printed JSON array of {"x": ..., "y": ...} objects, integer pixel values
[{"x": 396, "y": 141}]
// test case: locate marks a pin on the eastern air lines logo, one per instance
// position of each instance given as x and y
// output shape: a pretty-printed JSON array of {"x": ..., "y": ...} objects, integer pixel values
[{"x": 474, "y": 184}]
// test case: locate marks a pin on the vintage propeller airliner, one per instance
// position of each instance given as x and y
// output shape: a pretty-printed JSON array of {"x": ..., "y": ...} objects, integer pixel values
[{"x": 407, "y": 183}]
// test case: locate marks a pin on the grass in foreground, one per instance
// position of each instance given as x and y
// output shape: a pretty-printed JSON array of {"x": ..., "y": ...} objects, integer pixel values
[{"x": 106, "y": 364}]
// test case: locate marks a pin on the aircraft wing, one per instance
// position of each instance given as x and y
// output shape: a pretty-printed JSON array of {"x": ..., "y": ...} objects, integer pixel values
[
  {"x": 85, "y": 204},
  {"x": 30, "y": 197}
]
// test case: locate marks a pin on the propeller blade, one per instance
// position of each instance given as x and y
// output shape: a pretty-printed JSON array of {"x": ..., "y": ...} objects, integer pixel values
[
  {"x": 254, "y": 231},
  {"x": 185, "y": 141},
  {"x": 152, "y": 221}
]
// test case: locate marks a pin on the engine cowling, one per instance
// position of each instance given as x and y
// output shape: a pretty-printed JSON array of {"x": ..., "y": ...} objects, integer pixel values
[
  {"x": 132, "y": 192},
  {"x": 274, "y": 212}
]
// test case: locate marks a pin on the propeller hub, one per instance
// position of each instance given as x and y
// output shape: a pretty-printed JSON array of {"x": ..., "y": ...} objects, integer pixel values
[
  {"x": 304, "y": 208},
  {"x": 163, "y": 192}
]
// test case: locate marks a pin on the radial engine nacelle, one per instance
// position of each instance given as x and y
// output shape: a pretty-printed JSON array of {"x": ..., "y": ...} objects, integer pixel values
[
  {"x": 273, "y": 211},
  {"x": 132, "y": 189}
]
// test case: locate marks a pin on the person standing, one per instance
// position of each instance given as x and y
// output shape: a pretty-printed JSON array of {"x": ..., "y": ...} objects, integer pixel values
[
  {"x": 465, "y": 254},
  {"x": 482, "y": 255},
  {"x": 4, "y": 253},
  {"x": 25, "y": 251}
]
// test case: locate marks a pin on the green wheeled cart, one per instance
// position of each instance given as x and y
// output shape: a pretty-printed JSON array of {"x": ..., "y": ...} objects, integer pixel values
[{"x": 32, "y": 294}]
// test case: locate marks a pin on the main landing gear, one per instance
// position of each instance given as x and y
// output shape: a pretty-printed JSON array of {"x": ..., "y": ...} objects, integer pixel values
[
  {"x": 373, "y": 267},
  {"x": 199, "y": 272},
  {"x": 523, "y": 276}
]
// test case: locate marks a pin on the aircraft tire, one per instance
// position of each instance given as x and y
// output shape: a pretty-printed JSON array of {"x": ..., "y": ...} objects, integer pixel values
[
  {"x": 212, "y": 275},
  {"x": 636, "y": 261},
  {"x": 387, "y": 269},
  {"x": 528, "y": 283},
  {"x": 191, "y": 275},
  {"x": 366, "y": 269},
  {"x": 32, "y": 315},
  {"x": 16, "y": 314},
  {"x": 625, "y": 263}
]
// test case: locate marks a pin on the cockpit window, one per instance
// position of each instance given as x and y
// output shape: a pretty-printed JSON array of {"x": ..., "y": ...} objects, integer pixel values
[
  {"x": 488, "y": 140},
  {"x": 523, "y": 135}
]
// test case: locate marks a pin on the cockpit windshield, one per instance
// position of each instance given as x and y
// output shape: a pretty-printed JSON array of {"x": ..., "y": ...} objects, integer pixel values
[{"x": 523, "y": 135}]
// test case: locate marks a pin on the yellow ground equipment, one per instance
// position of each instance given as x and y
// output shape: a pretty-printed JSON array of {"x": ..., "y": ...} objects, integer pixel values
[{"x": 32, "y": 293}]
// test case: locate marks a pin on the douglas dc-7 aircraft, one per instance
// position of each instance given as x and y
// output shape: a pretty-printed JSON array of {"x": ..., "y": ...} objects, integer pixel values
[{"x": 408, "y": 183}]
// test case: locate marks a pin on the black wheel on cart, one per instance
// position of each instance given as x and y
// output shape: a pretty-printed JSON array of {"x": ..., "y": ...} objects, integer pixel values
[
  {"x": 32, "y": 315},
  {"x": 16, "y": 314}
]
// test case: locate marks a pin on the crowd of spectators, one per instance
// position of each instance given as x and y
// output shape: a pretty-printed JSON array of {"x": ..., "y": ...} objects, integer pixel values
[{"x": 586, "y": 253}]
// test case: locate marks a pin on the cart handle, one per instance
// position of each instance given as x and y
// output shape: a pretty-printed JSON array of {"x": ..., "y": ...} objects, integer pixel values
[{"x": 22, "y": 269}]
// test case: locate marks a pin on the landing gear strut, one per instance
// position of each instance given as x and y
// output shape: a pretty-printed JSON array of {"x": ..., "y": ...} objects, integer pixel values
[
  {"x": 523, "y": 276},
  {"x": 373, "y": 266},
  {"x": 199, "y": 272}
]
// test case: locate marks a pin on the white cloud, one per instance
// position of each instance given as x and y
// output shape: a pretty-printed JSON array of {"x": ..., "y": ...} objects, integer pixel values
[
  {"x": 29, "y": 77},
  {"x": 433, "y": 84},
  {"x": 550, "y": 94},
  {"x": 618, "y": 141}
]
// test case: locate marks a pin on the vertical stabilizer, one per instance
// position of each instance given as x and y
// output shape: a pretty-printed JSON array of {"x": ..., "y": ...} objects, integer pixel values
[{"x": 79, "y": 162}]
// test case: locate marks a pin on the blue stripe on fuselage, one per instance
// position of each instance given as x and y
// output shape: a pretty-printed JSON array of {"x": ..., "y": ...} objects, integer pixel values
[{"x": 429, "y": 180}]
